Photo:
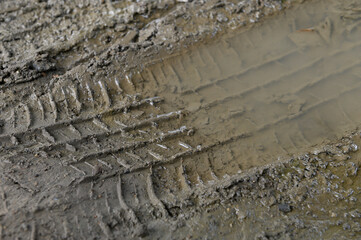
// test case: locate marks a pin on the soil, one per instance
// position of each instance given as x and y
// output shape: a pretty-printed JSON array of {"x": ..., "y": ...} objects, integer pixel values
[{"x": 180, "y": 119}]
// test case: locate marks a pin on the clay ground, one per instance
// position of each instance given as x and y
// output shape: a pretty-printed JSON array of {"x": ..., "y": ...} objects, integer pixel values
[{"x": 180, "y": 119}]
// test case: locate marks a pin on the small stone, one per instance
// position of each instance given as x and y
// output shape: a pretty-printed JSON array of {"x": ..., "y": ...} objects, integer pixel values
[
  {"x": 355, "y": 214},
  {"x": 146, "y": 34},
  {"x": 346, "y": 226},
  {"x": 284, "y": 207},
  {"x": 24, "y": 227},
  {"x": 354, "y": 147},
  {"x": 345, "y": 149},
  {"x": 341, "y": 157},
  {"x": 14, "y": 140},
  {"x": 70, "y": 147},
  {"x": 333, "y": 214},
  {"x": 129, "y": 37},
  {"x": 272, "y": 201},
  {"x": 222, "y": 18},
  {"x": 120, "y": 28}
]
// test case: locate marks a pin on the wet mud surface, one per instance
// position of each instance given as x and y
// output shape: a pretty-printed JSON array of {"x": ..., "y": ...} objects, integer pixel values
[
  {"x": 272, "y": 90},
  {"x": 177, "y": 119}
]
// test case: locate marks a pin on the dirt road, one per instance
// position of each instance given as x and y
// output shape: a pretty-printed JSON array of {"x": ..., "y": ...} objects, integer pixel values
[{"x": 180, "y": 119}]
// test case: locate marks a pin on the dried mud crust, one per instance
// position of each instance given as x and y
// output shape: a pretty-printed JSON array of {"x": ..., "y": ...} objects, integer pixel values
[{"x": 85, "y": 155}]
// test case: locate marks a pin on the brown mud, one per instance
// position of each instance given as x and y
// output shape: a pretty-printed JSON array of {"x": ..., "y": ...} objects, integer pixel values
[
  {"x": 273, "y": 90},
  {"x": 180, "y": 119}
]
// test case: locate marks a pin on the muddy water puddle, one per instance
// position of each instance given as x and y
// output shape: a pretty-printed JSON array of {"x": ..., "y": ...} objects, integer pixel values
[{"x": 273, "y": 90}]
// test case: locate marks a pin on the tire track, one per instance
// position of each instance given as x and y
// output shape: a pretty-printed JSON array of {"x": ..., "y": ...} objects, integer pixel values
[
  {"x": 274, "y": 89},
  {"x": 61, "y": 107},
  {"x": 122, "y": 162}
]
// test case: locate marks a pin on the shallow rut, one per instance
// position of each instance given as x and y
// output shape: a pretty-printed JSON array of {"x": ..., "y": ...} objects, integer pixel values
[{"x": 274, "y": 90}]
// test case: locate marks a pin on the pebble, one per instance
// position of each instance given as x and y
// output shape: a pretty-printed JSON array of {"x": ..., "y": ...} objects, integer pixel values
[{"x": 284, "y": 207}]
